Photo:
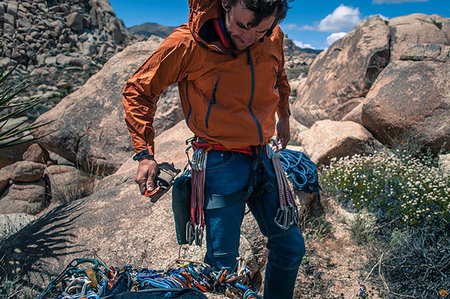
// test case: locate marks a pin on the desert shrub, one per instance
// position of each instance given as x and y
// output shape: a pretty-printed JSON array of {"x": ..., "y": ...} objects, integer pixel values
[
  {"x": 407, "y": 200},
  {"x": 402, "y": 188},
  {"x": 10, "y": 108}
]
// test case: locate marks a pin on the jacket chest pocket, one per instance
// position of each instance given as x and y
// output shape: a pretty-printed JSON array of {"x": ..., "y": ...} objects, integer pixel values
[{"x": 212, "y": 101}]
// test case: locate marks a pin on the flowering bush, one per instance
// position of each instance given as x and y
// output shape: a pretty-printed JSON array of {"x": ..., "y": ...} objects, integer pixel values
[{"x": 395, "y": 185}]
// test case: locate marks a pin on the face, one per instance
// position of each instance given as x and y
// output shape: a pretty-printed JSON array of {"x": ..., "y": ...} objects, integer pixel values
[{"x": 238, "y": 22}]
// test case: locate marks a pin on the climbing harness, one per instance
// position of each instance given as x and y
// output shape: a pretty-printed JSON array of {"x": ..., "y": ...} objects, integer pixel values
[
  {"x": 287, "y": 213},
  {"x": 196, "y": 224},
  {"x": 190, "y": 277}
]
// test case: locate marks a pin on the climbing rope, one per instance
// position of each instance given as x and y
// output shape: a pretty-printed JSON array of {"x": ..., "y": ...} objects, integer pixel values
[{"x": 301, "y": 170}]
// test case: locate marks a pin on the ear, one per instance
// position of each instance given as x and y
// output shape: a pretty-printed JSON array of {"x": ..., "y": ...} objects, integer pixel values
[{"x": 226, "y": 5}]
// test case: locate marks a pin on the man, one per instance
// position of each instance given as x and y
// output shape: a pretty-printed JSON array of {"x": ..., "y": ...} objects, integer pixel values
[{"x": 228, "y": 62}]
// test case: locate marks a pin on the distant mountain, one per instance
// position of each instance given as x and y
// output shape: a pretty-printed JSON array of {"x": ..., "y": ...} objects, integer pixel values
[{"x": 148, "y": 29}]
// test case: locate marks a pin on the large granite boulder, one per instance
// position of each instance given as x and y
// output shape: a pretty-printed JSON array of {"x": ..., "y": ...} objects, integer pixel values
[
  {"x": 88, "y": 125},
  {"x": 411, "y": 98},
  {"x": 328, "y": 139},
  {"x": 410, "y": 30},
  {"x": 340, "y": 77}
]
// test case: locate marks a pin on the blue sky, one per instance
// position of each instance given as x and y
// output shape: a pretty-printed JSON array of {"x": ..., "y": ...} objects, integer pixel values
[{"x": 310, "y": 23}]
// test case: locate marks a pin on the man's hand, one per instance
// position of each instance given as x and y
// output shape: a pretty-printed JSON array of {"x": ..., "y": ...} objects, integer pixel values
[
  {"x": 283, "y": 132},
  {"x": 146, "y": 174}
]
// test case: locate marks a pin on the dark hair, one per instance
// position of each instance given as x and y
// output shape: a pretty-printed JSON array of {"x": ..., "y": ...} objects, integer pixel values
[{"x": 263, "y": 9}]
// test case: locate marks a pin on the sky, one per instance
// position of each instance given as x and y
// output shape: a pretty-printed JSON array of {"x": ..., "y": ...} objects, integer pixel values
[{"x": 312, "y": 24}]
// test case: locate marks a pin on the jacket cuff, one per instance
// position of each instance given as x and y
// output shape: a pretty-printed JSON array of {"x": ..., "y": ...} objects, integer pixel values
[{"x": 142, "y": 154}]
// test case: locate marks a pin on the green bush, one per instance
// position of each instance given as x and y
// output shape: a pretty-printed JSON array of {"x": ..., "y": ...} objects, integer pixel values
[{"x": 396, "y": 186}]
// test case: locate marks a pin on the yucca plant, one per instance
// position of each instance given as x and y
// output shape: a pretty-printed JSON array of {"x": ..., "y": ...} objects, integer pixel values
[{"x": 10, "y": 108}]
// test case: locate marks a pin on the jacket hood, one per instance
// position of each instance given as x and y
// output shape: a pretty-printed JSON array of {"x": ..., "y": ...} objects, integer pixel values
[{"x": 200, "y": 12}]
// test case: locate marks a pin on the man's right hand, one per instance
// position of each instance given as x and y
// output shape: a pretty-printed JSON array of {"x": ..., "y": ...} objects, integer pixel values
[{"x": 146, "y": 174}]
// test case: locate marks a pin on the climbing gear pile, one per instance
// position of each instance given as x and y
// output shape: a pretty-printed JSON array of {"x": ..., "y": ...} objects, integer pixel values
[
  {"x": 301, "y": 170},
  {"x": 100, "y": 281},
  {"x": 287, "y": 213},
  {"x": 196, "y": 224}
]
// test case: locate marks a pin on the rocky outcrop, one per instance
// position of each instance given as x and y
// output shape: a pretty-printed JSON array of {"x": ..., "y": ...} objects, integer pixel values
[
  {"x": 59, "y": 44},
  {"x": 340, "y": 77},
  {"x": 328, "y": 139},
  {"x": 88, "y": 125},
  {"x": 392, "y": 78},
  {"x": 30, "y": 186}
]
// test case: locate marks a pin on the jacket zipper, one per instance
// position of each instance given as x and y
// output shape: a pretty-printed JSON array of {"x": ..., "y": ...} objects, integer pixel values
[
  {"x": 211, "y": 102},
  {"x": 252, "y": 70},
  {"x": 189, "y": 102}
]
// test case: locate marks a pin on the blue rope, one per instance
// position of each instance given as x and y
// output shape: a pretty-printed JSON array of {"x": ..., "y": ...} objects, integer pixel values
[{"x": 301, "y": 170}]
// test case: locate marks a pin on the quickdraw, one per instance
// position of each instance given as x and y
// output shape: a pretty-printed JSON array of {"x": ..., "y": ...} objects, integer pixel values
[
  {"x": 76, "y": 283},
  {"x": 196, "y": 224},
  {"x": 287, "y": 213}
]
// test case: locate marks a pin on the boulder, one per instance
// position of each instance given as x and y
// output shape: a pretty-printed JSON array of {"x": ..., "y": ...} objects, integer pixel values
[
  {"x": 26, "y": 198},
  {"x": 327, "y": 139},
  {"x": 88, "y": 125},
  {"x": 341, "y": 76},
  {"x": 407, "y": 31},
  {"x": 36, "y": 153},
  {"x": 27, "y": 171},
  {"x": 68, "y": 183},
  {"x": 410, "y": 98},
  {"x": 75, "y": 21}
]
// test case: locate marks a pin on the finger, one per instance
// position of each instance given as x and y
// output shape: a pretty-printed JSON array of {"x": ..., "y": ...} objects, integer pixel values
[
  {"x": 142, "y": 188},
  {"x": 150, "y": 183}
]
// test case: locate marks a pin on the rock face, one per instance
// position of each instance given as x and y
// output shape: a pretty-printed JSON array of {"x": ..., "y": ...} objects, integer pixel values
[
  {"x": 340, "y": 77},
  {"x": 392, "y": 78},
  {"x": 328, "y": 139},
  {"x": 89, "y": 127}
]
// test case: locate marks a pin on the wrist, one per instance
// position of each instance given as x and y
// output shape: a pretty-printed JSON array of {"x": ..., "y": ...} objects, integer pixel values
[
  {"x": 142, "y": 154},
  {"x": 146, "y": 158}
]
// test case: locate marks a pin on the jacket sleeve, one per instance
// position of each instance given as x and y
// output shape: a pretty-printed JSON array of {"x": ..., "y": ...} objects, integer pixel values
[
  {"x": 164, "y": 67},
  {"x": 284, "y": 89}
]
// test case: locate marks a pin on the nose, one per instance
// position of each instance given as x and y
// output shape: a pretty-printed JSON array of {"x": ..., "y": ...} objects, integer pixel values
[{"x": 248, "y": 38}]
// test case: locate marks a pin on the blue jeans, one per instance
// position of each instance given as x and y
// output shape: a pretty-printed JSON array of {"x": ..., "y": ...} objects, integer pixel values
[{"x": 227, "y": 177}]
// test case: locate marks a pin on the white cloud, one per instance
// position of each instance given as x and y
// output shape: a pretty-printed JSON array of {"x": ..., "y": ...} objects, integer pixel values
[
  {"x": 395, "y": 1},
  {"x": 381, "y": 16},
  {"x": 292, "y": 26},
  {"x": 342, "y": 18},
  {"x": 334, "y": 37},
  {"x": 302, "y": 45}
]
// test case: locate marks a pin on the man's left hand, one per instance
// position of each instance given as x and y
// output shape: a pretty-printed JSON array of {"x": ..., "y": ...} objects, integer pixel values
[{"x": 283, "y": 132}]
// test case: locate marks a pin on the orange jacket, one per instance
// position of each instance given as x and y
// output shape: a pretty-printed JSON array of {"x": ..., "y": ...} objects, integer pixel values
[{"x": 228, "y": 97}]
